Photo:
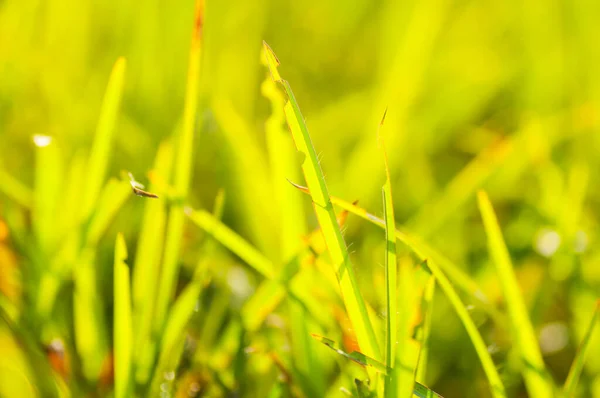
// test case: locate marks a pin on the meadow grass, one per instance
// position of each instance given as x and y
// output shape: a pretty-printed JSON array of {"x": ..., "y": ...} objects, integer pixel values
[{"x": 108, "y": 293}]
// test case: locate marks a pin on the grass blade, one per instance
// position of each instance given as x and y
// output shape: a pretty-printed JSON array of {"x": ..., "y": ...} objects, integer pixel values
[
  {"x": 425, "y": 332},
  {"x": 122, "y": 332},
  {"x": 419, "y": 389},
  {"x": 15, "y": 189},
  {"x": 183, "y": 170},
  {"x": 424, "y": 251},
  {"x": 232, "y": 241},
  {"x": 353, "y": 300},
  {"x": 391, "y": 275},
  {"x": 111, "y": 200},
  {"x": 146, "y": 269},
  {"x": 570, "y": 386},
  {"x": 496, "y": 386},
  {"x": 101, "y": 149},
  {"x": 537, "y": 379}
]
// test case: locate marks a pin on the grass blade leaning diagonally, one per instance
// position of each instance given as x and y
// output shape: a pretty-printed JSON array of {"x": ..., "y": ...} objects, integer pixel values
[
  {"x": 353, "y": 300},
  {"x": 538, "y": 381}
]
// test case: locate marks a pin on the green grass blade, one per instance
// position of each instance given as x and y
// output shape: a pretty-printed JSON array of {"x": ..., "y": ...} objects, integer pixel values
[
  {"x": 183, "y": 169},
  {"x": 232, "y": 241},
  {"x": 391, "y": 276},
  {"x": 101, "y": 149},
  {"x": 427, "y": 309},
  {"x": 15, "y": 189},
  {"x": 173, "y": 338},
  {"x": 90, "y": 324},
  {"x": 537, "y": 379},
  {"x": 419, "y": 389},
  {"x": 48, "y": 186},
  {"x": 410, "y": 290},
  {"x": 353, "y": 300},
  {"x": 122, "y": 331},
  {"x": 424, "y": 251},
  {"x": 146, "y": 269},
  {"x": 496, "y": 386},
  {"x": 111, "y": 200},
  {"x": 570, "y": 386}
]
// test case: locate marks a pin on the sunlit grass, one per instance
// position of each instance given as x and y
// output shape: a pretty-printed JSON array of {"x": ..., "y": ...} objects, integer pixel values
[{"x": 228, "y": 277}]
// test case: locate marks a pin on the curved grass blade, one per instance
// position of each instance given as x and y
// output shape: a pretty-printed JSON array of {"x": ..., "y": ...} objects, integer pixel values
[
  {"x": 353, "y": 300},
  {"x": 122, "y": 332},
  {"x": 538, "y": 381},
  {"x": 570, "y": 387},
  {"x": 183, "y": 169}
]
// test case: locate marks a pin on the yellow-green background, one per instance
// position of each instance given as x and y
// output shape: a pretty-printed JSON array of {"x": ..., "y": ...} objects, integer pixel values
[{"x": 515, "y": 83}]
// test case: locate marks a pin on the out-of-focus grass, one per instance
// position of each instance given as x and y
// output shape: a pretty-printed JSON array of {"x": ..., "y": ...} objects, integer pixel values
[{"x": 499, "y": 96}]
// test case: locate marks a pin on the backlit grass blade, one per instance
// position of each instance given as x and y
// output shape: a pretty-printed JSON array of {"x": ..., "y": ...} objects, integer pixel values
[
  {"x": 101, "y": 149},
  {"x": 570, "y": 386},
  {"x": 15, "y": 189},
  {"x": 48, "y": 185},
  {"x": 391, "y": 276},
  {"x": 412, "y": 282},
  {"x": 425, "y": 332},
  {"x": 122, "y": 330},
  {"x": 171, "y": 344},
  {"x": 184, "y": 145},
  {"x": 496, "y": 386},
  {"x": 146, "y": 269},
  {"x": 361, "y": 359},
  {"x": 89, "y": 321},
  {"x": 232, "y": 241},
  {"x": 537, "y": 379},
  {"x": 355, "y": 306},
  {"x": 112, "y": 198},
  {"x": 424, "y": 251}
]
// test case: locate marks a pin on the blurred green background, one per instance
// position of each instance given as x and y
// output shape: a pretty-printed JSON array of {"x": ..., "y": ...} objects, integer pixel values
[{"x": 495, "y": 95}]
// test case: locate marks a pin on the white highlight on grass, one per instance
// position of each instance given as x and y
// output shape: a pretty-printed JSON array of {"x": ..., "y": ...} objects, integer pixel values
[
  {"x": 239, "y": 283},
  {"x": 581, "y": 242},
  {"x": 554, "y": 337},
  {"x": 41, "y": 140},
  {"x": 547, "y": 242}
]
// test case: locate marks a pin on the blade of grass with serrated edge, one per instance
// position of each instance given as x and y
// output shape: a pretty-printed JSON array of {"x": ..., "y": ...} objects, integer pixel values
[
  {"x": 183, "y": 170},
  {"x": 419, "y": 389},
  {"x": 424, "y": 251},
  {"x": 391, "y": 274},
  {"x": 537, "y": 379},
  {"x": 122, "y": 330},
  {"x": 146, "y": 269},
  {"x": 353, "y": 300},
  {"x": 293, "y": 227},
  {"x": 425, "y": 332},
  {"x": 101, "y": 149},
  {"x": 570, "y": 385},
  {"x": 15, "y": 189}
]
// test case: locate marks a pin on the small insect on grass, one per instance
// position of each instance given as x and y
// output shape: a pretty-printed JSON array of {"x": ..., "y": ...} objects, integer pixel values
[{"x": 138, "y": 188}]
